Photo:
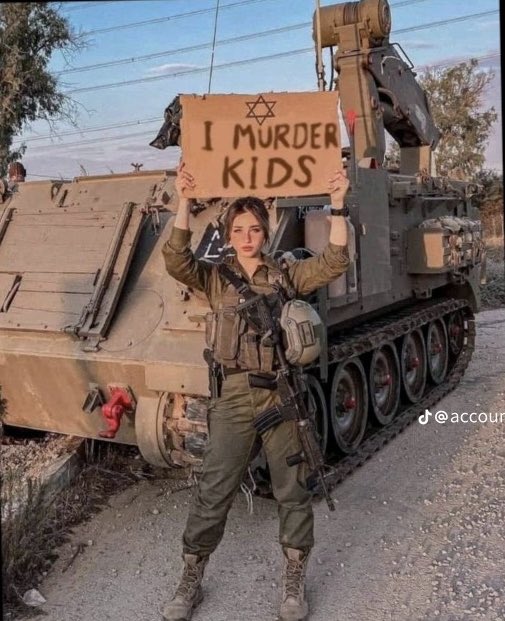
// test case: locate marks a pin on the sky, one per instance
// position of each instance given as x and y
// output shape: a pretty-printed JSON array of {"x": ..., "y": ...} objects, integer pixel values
[{"x": 128, "y": 72}]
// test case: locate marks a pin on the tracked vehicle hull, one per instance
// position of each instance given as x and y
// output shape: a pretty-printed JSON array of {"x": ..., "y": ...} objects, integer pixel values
[
  {"x": 96, "y": 340},
  {"x": 59, "y": 368}
]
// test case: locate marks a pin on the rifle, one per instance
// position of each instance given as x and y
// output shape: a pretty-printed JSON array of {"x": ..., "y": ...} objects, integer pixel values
[{"x": 288, "y": 382}]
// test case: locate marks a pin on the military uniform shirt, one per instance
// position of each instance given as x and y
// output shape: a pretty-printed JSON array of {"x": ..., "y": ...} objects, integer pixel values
[{"x": 306, "y": 275}]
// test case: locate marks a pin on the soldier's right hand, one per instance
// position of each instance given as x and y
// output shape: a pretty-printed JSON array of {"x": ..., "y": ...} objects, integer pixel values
[
  {"x": 338, "y": 186},
  {"x": 184, "y": 180}
]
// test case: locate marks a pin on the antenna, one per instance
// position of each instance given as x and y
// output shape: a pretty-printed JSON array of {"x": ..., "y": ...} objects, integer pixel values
[
  {"x": 213, "y": 45},
  {"x": 321, "y": 82}
]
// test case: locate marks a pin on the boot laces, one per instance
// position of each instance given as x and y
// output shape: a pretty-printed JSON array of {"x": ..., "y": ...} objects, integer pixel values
[
  {"x": 191, "y": 577},
  {"x": 294, "y": 578}
]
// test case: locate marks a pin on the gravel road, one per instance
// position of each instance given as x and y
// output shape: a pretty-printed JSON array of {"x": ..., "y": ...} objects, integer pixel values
[{"x": 417, "y": 535}]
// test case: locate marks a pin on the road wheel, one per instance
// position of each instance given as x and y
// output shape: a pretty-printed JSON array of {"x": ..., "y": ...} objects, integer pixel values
[
  {"x": 413, "y": 365},
  {"x": 437, "y": 350},
  {"x": 384, "y": 382},
  {"x": 316, "y": 406},
  {"x": 349, "y": 405},
  {"x": 151, "y": 432},
  {"x": 456, "y": 332}
]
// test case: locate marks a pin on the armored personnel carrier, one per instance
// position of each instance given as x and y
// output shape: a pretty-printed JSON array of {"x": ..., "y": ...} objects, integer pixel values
[{"x": 96, "y": 340}]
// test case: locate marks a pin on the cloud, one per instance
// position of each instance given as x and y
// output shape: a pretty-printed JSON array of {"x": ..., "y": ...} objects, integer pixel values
[
  {"x": 419, "y": 45},
  {"x": 447, "y": 61},
  {"x": 170, "y": 68},
  {"x": 489, "y": 24}
]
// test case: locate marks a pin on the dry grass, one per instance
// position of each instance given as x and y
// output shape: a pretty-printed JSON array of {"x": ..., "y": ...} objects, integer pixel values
[{"x": 31, "y": 533}]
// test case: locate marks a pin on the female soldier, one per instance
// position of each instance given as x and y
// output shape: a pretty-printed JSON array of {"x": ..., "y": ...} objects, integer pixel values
[{"x": 231, "y": 432}]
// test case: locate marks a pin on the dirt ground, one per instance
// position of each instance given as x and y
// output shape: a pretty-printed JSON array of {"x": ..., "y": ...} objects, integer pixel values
[{"x": 418, "y": 532}]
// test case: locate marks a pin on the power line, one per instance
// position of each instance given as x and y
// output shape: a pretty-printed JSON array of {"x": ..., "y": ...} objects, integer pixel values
[
  {"x": 158, "y": 119},
  {"x": 195, "y": 70},
  {"x": 201, "y": 46},
  {"x": 190, "y": 48},
  {"x": 456, "y": 61},
  {"x": 404, "y": 3},
  {"x": 75, "y": 6},
  {"x": 447, "y": 63},
  {"x": 213, "y": 45},
  {"x": 159, "y": 20},
  {"x": 452, "y": 20},
  {"x": 175, "y": 74},
  {"x": 68, "y": 145},
  {"x": 87, "y": 130},
  {"x": 30, "y": 174}
]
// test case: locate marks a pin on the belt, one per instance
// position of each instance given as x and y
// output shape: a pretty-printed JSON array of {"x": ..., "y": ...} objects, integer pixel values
[{"x": 232, "y": 370}]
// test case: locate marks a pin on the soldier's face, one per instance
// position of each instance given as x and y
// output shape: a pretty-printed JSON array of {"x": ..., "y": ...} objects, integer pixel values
[{"x": 247, "y": 236}]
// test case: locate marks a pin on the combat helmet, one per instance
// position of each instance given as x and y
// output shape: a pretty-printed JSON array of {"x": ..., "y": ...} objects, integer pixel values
[{"x": 303, "y": 332}]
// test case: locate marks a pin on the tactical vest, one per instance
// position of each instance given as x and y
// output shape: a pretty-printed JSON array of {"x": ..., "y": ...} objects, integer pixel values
[{"x": 232, "y": 340}]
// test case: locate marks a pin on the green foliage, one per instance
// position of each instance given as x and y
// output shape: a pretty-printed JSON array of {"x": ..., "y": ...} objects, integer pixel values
[
  {"x": 489, "y": 200},
  {"x": 456, "y": 99},
  {"x": 30, "y": 32},
  {"x": 490, "y": 195},
  {"x": 456, "y": 96}
]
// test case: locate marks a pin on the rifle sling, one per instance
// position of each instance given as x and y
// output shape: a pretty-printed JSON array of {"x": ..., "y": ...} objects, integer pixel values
[{"x": 237, "y": 281}]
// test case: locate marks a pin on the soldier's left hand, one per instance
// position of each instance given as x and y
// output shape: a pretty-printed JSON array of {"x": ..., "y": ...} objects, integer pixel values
[{"x": 338, "y": 186}]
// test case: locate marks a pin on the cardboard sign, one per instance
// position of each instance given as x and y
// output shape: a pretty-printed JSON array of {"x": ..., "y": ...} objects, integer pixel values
[{"x": 272, "y": 144}]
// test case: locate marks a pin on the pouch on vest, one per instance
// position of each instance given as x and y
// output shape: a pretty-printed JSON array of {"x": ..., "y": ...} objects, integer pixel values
[
  {"x": 248, "y": 357},
  {"x": 210, "y": 329},
  {"x": 266, "y": 357},
  {"x": 229, "y": 329}
]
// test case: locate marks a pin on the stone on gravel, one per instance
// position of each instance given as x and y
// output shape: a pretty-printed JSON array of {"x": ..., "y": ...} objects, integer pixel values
[{"x": 34, "y": 598}]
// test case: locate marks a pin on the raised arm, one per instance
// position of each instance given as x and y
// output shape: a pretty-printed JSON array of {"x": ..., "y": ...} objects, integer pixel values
[
  {"x": 180, "y": 262},
  {"x": 307, "y": 275}
]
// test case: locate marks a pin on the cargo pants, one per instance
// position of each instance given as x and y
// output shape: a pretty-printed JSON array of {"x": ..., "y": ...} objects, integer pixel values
[{"x": 226, "y": 459}]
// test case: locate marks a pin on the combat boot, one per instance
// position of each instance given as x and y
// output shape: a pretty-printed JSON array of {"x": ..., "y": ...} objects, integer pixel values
[
  {"x": 294, "y": 606},
  {"x": 189, "y": 592}
]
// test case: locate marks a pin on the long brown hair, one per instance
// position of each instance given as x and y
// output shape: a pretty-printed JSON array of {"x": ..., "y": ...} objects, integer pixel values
[{"x": 251, "y": 204}]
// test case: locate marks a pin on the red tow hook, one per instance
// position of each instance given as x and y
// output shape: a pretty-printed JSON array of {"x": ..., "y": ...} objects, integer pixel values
[{"x": 120, "y": 402}]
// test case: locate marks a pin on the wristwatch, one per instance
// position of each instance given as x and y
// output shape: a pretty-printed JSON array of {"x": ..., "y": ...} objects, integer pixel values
[{"x": 339, "y": 212}]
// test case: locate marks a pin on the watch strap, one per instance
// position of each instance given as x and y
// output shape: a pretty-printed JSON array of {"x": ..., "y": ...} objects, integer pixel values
[{"x": 339, "y": 212}]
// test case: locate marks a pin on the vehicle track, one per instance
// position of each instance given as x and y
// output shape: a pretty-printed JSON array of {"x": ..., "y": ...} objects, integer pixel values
[{"x": 374, "y": 334}]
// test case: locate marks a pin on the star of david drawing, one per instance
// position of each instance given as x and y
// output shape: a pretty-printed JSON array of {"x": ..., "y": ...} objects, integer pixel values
[{"x": 260, "y": 109}]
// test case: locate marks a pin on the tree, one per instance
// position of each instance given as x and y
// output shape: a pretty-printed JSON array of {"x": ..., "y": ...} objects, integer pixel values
[
  {"x": 491, "y": 187},
  {"x": 489, "y": 200},
  {"x": 456, "y": 95},
  {"x": 30, "y": 32}
]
